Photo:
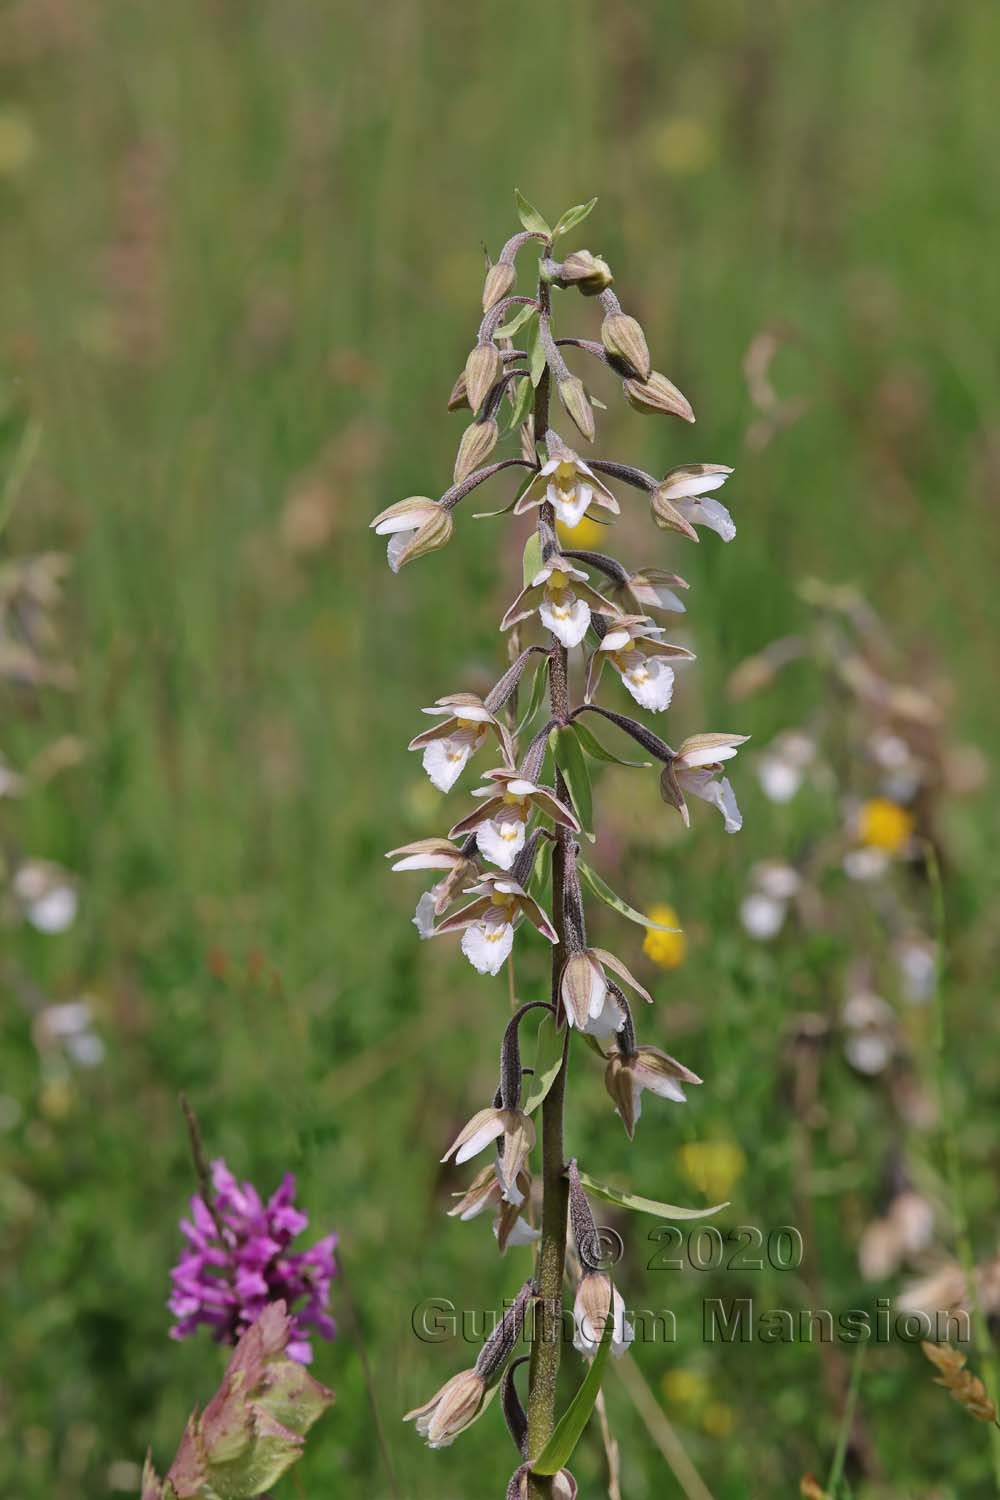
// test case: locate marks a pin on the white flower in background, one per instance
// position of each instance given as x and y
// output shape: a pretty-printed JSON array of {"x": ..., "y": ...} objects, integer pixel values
[
  {"x": 487, "y": 924},
  {"x": 448, "y": 747},
  {"x": 564, "y": 599},
  {"x": 870, "y": 1023},
  {"x": 865, "y": 863},
  {"x": 643, "y": 662},
  {"x": 568, "y": 485},
  {"x": 695, "y": 769},
  {"x": 500, "y": 824},
  {"x": 69, "y": 1025},
  {"x": 47, "y": 895},
  {"x": 765, "y": 907},
  {"x": 782, "y": 766},
  {"x": 680, "y": 502},
  {"x": 596, "y": 1301},
  {"x": 586, "y": 998},
  {"x": 917, "y": 959}
]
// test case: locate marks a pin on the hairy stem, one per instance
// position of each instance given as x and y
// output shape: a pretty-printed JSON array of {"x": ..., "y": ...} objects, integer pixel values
[{"x": 547, "y": 1336}]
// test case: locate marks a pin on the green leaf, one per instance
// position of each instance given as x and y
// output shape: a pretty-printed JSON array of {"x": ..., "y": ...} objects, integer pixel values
[
  {"x": 602, "y": 889},
  {"x": 536, "y": 353},
  {"x": 646, "y": 1205},
  {"x": 531, "y": 559},
  {"x": 569, "y": 759},
  {"x": 530, "y": 217},
  {"x": 517, "y": 321},
  {"x": 559, "y": 1449},
  {"x": 523, "y": 402},
  {"x": 535, "y": 697},
  {"x": 486, "y": 515},
  {"x": 538, "y": 880},
  {"x": 548, "y": 1060},
  {"x": 594, "y": 748},
  {"x": 572, "y": 217}
]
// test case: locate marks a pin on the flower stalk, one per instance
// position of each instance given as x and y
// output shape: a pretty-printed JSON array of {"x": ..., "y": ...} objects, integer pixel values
[{"x": 529, "y": 819}]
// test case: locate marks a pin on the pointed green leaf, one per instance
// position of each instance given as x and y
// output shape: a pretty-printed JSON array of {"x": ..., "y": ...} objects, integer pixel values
[
  {"x": 559, "y": 1449},
  {"x": 523, "y": 401},
  {"x": 602, "y": 889},
  {"x": 646, "y": 1205},
  {"x": 531, "y": 559},
  {"x": 486, "y": 515},
  {"x": 538, "y": 683},
  {"x": 519, "y": 319},
  {"x": 530, "y": 217},
  {"x": 548, "y": 1060},
  {"x": 569, "y": 759},
  {"x": 597, "y": 751},
  {"x": 536, "y": 353},
  {"x": 572, "y": 217},
  {"x": 538, "y": 881}
]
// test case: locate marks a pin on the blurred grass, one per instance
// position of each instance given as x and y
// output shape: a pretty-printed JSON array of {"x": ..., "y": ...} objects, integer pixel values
[{"x": 241, "y": 264}]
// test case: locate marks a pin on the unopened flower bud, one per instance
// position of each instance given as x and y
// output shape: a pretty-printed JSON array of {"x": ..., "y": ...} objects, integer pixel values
[
  {"x": 482, "y": 369},
  {"x": 597, "y": 1300},
  {"x": 413, "y": 526},
  {"x": 478, "y": 441},
  {"x": 499, "y": 280},
  {"x": 625, "y": 345},
  {"x": 459, "y": 394},
  {"x": 451, "y": 1410},
  {"x": 657, "y": 393},
  {"x": 573, "y": 395},
  {"x": 588, "y": 273}
]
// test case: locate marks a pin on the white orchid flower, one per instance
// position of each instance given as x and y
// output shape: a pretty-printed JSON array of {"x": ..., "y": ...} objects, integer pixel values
[
  {"x": 564, "y": 600},
  {"x": 633, "y": 647}
]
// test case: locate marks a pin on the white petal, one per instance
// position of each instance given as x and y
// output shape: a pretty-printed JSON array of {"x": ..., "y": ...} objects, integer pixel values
[
  {"x": 649, "y": 679},
  {"x": 720, "y": 793},
  {"x": 478, "y": 1142},
  {"x": 521, "y": 1234},
  {"x": 664, "y": 1087},
  {"x": 714, "y": 515},
  {"x": 623, "y": 1332},
  {"x": 487, "y": 946},
  {"x": 424, "y": 917},
  {"x": 609, "y": 1018},
  {"x": 570, "y": 509},
  {"x": 501, "y": 840},
  {"x": 423, "y": 862},
  {"x": 445, "y": 760},
  {"x": 709, "y": 756},
  {"x": 409, "y": 521},
  {"x": 694, "y": 484},
  {"x": 568, "y": 624}
]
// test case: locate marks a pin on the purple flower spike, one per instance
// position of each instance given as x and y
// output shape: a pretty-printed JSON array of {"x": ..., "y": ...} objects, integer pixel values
[{"x": 227, "y": 1280}]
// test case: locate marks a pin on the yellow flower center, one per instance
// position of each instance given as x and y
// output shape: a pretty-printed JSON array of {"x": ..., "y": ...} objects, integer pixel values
[
  {"x": 668, "y": 949},
  {"x": 502, "y": 898},
  {"x": 558, "y": 580},
  {"x": 565, "y": 474},
  {"x": 883, "y": 824}
]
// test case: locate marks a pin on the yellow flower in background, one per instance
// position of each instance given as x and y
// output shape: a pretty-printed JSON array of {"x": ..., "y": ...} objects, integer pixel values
[
  {"x": 18, "y": 142},
  {"x": 712, "y": 1166},
  {"x": 682, "y": 146},
  {"x": 717, "y": 1419},
  {"x": 668, "y": 949},
  {"x": 883, "y": 824},
  {"x": 585, "y": 535},
  {"x": 685, "y": 1387}
]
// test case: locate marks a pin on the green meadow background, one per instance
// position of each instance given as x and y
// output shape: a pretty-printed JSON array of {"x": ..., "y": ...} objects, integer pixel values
[{"x": 241, "y": 263}]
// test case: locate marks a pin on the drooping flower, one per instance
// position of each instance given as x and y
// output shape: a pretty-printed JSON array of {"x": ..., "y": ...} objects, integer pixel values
[
  {"x": 564, "y": 600},
  {"x": 487, "y": 924},
  {"x": 587, "y": 998},
  {"x": 237, "y": 1261},
  {"x": 450, "y": 1410},
  {"x": 487, "y": 1191},
  {"x": 680, "y": 502},
  {"x": 569, "y": 485},
  {"x": 597, "y": 1300},
  {"x": 627, "y": 1074},
  {"x": 414, "y": 527},
  {"x": 448, "y": 746},
  {"x": 665, "y": 944},
  {"x": 694, "y": 769},
  {"x": 515, "y": 1132},
  {"x": 500, "y": 823},
  {"x": 641, "y": 659}
]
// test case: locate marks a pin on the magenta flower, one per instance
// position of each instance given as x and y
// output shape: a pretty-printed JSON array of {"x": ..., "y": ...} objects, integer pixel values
[{"x": 226, "y": 1281}]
